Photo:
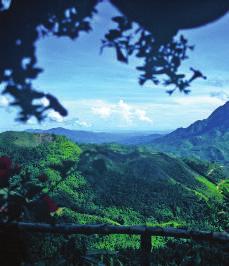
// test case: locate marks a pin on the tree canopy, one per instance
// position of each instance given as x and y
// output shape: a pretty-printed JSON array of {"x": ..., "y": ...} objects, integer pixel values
[{"x": 145, "y": 29}]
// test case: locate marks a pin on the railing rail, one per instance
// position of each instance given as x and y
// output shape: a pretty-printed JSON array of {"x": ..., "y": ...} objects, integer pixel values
[{"x": 146, "y": 232}]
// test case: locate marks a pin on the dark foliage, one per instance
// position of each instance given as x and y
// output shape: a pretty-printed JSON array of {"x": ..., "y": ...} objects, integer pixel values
[
  {"x": 25, "y": 21},
  {"x": 21, "y": 25},
  {"x": 160, "y": 59}
]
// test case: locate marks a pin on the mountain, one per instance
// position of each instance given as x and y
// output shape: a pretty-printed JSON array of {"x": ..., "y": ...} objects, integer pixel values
[
  {"x": 119, "y": 185},
  {"x": 206, "y": 139},
  {"x": 126, "y": 138},
  {"x": 118, "y": 176},
  {"x": 149, "y": 182},
  {"x": 217, "y": 121}
]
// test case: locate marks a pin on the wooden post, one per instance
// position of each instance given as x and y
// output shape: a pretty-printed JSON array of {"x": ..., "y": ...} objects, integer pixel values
[{"x": 146, "y": 246}]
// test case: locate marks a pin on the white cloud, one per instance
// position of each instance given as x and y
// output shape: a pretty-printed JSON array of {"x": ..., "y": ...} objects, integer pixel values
[
  {"x": 54, "y": 116},
  {"x": 32, "y": 121},
  {"x": 141, "y": 114},
  {"x": 4, "y": 102},
  {"x": 44, "y": 101},
  {"x": 121, "y": 111},
  {"x": 198, "y": 100},
  {"x": 126, "y": 111},
  {"x": 77, "y": 122},
  {"x": 222, "y": 95},
  {"x": 82, "y": 123},
  {"x": 102, "y": 109}
]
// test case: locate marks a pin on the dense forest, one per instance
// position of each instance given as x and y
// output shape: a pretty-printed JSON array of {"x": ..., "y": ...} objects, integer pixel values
[{"x": 118, "y": 185}]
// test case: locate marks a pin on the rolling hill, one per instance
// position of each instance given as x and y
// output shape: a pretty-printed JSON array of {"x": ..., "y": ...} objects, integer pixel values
[
  {"x": 119, "y": 185},
  {"x": 152, "y": 184}
]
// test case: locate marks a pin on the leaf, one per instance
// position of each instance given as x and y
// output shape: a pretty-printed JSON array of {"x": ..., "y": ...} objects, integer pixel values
[
  {"x": 120, "y": 55},
  {"x": 170, "y": 92},
  {"x": 112, "y": 35},
  {"x": 119, "y": 19}
]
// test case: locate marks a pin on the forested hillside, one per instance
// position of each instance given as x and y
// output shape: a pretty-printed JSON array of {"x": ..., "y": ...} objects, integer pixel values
[
  {"x": 116, "y": 185},
  {"x": 206, "y": 139}
]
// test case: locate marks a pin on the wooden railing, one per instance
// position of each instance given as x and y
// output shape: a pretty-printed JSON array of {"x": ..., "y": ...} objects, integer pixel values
[{"x": 145, "y": 232}]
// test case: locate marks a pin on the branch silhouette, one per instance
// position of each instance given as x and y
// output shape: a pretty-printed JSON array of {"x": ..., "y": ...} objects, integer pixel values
[{"x": 24, "y": 22}]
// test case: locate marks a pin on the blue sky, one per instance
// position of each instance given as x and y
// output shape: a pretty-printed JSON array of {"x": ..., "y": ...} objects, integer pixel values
[{"x": 102, "y": 94}]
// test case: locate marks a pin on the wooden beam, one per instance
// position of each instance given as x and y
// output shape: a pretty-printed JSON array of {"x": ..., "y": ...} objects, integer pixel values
[
  {"x": 107, "y": 229},
  {"x": 146, "y": 246}
]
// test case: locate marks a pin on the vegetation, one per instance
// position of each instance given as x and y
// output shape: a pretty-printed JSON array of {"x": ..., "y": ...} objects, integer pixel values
[
  {"x": 206, "y": 139},
  {"x": 112, "y": 184}
]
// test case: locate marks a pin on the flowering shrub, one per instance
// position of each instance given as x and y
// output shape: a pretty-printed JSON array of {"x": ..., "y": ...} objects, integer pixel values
[
  {"x": 6, "y": 171},
  {"x": 21, "y": 199},
  {"x": 18, "y": 198}
]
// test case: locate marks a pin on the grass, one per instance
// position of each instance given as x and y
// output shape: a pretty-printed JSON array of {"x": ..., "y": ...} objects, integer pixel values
[
  {"x": 209, "y": 189},
  {"x": 223, "y": 186}
]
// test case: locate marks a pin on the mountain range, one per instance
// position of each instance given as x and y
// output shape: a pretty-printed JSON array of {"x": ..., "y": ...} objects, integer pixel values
[
  {"x": 206, "y": 139},
  {"x": 90, "y": 137}
]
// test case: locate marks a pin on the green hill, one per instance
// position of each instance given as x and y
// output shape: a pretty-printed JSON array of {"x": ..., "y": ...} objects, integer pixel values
[
  {"x": 155, "y": 186},
  {"x": 120, "y": 185},
  {"x": 23, "y": 139}
]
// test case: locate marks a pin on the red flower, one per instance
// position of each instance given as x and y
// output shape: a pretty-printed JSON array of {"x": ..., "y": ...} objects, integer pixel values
[
  {"x": 5, "y": 162},
  {"x": 5, "y": 171},
  {"x": 52, "y": 206}
]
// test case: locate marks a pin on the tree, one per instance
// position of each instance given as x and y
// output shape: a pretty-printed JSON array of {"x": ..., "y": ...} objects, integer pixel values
[{"x": 146, "y": 29}]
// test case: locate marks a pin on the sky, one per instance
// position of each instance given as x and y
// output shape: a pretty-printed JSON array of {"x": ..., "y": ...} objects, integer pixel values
[{"x": 102, "y": 94}]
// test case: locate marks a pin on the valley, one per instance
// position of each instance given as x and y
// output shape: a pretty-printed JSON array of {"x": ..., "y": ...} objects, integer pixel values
[
  {"x": 175, "y": 180},
  {"x": 118, "y": 185}
]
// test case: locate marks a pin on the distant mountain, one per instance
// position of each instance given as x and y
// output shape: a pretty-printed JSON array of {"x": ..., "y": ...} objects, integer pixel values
[
  {"x": 217, "y": 121},
  {"x": 89, "y": 137},
  {"x": 206, "y": 139}
]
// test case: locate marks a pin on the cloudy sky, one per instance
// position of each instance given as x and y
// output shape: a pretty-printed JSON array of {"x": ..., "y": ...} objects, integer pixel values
[{"x": 102, "y": 94}]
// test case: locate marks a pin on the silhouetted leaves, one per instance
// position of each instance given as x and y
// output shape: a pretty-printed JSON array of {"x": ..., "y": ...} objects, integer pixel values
[
  {"x": 120, "y": 55},
  {"x": 20, "y": 29},
  {"x": 160, "y": 59},
  {"x": 55, "y": 105},
  {"x": 152, "y": 40}
]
